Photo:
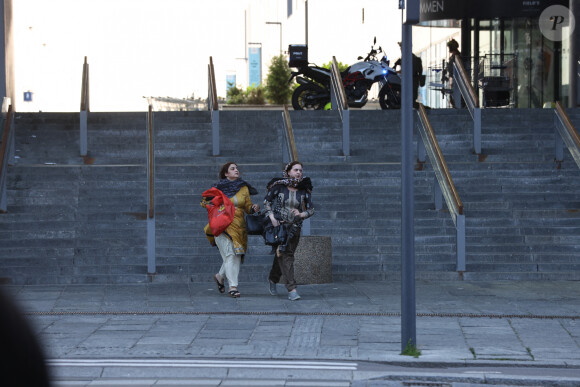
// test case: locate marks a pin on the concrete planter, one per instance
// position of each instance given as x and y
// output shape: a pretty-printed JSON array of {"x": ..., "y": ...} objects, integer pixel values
[{"x": 313, "y": 260}]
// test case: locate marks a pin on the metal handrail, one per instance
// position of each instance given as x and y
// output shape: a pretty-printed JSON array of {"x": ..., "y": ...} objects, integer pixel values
[
  {"x": 151, "y": 264},
  {"x": 471, "y": 100},
  {"x": 438, "y": 160},
  {"x": 444, "y": 186},
  {"x": 5, "y": 152},
  {"x": 85, "y": 100},
  {"x": 337, "y": 86},
  {"x": 85, "y": 107},
  {"x": 150, "y": 164},
  {"x": 340, "y": 103},
  {"x": 568, "y": 135},
  {"x": 212, "y": 105},
  {"x": 212, "y": 93},
  {"x": 469, "y": 90},
  {"x": 292, "y": 153}
]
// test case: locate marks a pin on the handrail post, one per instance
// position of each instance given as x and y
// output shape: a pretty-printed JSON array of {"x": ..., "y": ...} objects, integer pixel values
[
  {"x": 338, "y": 101},
  {"x": 460, "y": 227},
  {"x": 290, "y": 152},
  {"x": 151, "y": 264},
  {"x": 443, "y": 181},
  {"x": 214, "y": 109},
  {"x": 463, "y": 88},
  {"x": 346, "y": 132},
  {"x": 477, "y": 130},
  {"x": 5, "y": 152},
  {"x": 558, "y": 141},
  {"x": 84, "y": 109}
]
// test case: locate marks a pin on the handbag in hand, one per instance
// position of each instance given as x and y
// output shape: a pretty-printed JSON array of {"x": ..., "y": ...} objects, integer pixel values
[
  {"x": 274, "y": 236},
  {"x": 255, "y": 223}
]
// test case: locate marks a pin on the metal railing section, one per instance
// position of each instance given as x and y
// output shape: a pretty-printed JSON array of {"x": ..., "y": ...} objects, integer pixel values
[
  {"x": 290, "y": 152},
  {"x": 85, "y": 108},
  {"x": 213, "y": 107},
  {"x": 6, "y": 154},
  {"x": 567, "y": 135},
  {"x": 340, "y": 103},
  {"x": 151, "y": 267},
  {"x": 444, "y": 186},
  {"x": 462, "y": 83}
]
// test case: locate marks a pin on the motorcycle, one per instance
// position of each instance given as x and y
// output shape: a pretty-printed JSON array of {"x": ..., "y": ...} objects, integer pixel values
[{"x": 314, "y": 89}]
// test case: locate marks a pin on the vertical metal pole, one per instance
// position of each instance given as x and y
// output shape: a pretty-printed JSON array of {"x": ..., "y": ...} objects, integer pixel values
[
  {"x": 12, "y": 141},
  {"x": 306, "y": 22},
  {"x": 151, "y": 267},
  {"x": 215, "y": 130},
  {"x": 83, "y": 134},
  {"x": 477, "y": 130},
  {"x": 460, "y": 224},
  {"x": 346, "y": 132},
  {"x": 574, "y": 64},
  {"x": 408, "y": 307},
  {"x": 3, "y": 86},
  {"x": 558, "y": 142}
]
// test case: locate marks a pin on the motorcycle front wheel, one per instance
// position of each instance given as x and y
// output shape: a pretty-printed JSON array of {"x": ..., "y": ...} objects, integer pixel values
[
  {"x": 390, "y": 97},
  {"x": 309, "y": 97}
]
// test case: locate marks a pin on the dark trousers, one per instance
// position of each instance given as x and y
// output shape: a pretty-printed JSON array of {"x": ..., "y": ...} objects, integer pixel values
[{"x": 283, "y": 264}]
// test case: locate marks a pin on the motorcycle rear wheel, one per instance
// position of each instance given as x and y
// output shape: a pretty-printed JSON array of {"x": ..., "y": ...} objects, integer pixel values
[
  {"x": 308, "y": 97},
  {"x": 390, "y": 97}
]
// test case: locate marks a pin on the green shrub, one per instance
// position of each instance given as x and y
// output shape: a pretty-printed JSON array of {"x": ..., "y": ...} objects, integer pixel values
[
  {"x": 235, "y": 95},
  {"x": 253, "y": 95},
  {"x": 278, "y": 91}
]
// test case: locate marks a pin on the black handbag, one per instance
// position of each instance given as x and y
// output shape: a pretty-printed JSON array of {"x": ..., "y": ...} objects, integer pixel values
[
  {"x": 255, "y": 223},
  {"x": 274, "y": 236}
]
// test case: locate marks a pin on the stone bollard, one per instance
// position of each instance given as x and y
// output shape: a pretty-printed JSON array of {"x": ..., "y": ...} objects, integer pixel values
[{"x": 313, "y": 260}]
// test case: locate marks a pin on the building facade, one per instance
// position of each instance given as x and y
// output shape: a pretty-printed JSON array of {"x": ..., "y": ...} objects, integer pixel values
[{"x": 519, "y": 53}]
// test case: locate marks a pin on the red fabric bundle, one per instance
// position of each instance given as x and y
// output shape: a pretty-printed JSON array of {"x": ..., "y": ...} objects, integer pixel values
[{"x": 220, "y": 210}]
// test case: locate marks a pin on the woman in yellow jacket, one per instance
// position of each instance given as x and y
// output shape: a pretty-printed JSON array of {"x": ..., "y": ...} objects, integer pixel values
[{"x": 233, "y": 242}]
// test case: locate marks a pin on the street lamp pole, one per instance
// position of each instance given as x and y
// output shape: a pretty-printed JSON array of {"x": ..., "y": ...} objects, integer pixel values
[
  {"x": 306, "y": 22},
  {"x": 280, "y": 25}
]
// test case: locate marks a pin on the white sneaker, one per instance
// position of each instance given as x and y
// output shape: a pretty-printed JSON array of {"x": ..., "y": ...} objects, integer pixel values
[
  {"x": 293, "y": 296},
  {"x": 272, "y": 289}
]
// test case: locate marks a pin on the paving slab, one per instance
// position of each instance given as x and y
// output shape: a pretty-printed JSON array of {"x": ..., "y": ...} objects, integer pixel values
[{"x": 458, "y": 323}]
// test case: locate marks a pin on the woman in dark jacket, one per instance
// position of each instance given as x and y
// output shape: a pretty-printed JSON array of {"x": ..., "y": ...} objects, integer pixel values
[{"x": 288, "y": 202}]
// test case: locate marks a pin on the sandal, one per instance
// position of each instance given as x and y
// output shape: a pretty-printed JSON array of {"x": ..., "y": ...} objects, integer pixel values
[
  {"x": 234, "y": 293},
  {"x": 221, "y": 286}
]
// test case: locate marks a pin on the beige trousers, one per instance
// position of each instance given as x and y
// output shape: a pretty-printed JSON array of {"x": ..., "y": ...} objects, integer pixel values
[{"x": 231, "y": 262}]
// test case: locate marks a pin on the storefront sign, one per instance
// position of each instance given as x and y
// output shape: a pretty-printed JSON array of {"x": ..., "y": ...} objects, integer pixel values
[{"x": 489, "y": 9}]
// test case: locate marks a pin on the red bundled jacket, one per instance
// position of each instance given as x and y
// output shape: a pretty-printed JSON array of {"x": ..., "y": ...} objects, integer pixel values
[{"x": 220, "y": 210}]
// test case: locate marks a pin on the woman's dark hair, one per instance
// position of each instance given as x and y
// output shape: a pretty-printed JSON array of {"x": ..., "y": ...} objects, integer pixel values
[
  {"x": 453, "y": 45},
  {"x": 289, "y": 166},
  {"x": 225, "y": 168}
]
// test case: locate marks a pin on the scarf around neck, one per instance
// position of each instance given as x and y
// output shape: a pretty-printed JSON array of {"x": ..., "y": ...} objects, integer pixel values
[
  {"x": 231, "y": 187},
  {"x": 302, "y": 184}
]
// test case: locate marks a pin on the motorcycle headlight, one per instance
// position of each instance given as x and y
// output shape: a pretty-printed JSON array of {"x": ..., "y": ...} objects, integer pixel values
[{"x": 385, "y": 71}]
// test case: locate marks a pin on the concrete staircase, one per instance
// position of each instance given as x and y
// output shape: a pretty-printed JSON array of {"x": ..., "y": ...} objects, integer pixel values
[{"x": 82, "y": 220}]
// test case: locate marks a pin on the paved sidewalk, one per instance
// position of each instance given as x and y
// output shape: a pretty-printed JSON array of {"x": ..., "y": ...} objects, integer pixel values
[{"x": 459, "y": 324}]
